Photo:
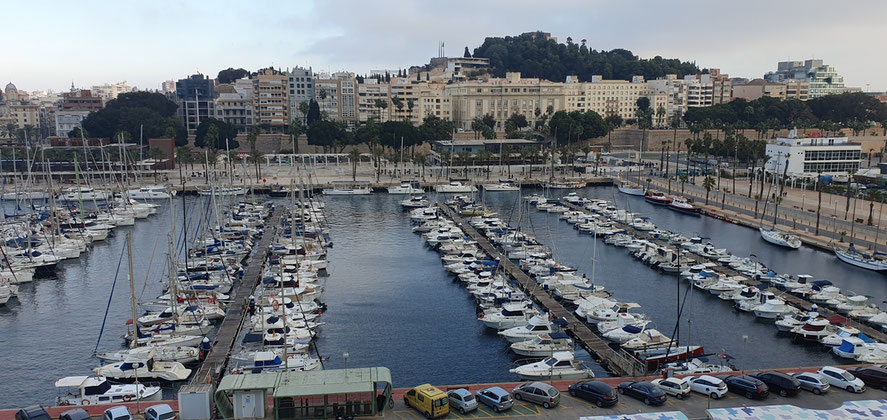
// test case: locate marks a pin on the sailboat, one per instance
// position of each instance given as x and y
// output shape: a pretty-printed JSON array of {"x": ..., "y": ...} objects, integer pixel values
[
  {"x": 853, "y": 257},
  {"x": 780, "y": 238}
]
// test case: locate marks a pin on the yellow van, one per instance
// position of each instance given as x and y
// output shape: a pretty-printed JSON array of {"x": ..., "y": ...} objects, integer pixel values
[{"x": 429, "y": 400}]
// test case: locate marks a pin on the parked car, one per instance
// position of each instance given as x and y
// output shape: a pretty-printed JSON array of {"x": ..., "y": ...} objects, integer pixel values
[
  {"x": 462, "y": 400},
  {"x": 427, "y": 399},
  {"x": 160, "y": 412},
  {"x": 119, "y": 412},
  {"x": 782, "y": 384},
  {"x": 677, "y": 387},
  {"x": 496, "y": 398},
  {"x": 601, "y": 394},
  {"x": 75, "y": 414},
  {"x": 840, "y": 378},
  {"x": 707, "y": 385},
  {"x": 873, "y": 376},
  {"x": 812, "y": 382},
  {"x": 746, "y": 385},
  {"x": 34, "y": 412},
  {"x": 539, "y": 393},
  {"x": 644, "y": 391}
]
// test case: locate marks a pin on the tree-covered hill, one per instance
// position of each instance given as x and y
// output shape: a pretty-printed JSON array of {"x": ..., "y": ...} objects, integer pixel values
[{"x": 534, "y": 56}]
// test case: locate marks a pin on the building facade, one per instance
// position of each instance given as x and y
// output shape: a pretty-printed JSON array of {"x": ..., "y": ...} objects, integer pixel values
[
  {"x": 235, "y": 104},
  {"x": 373, "y": 101},
  {"x": 301, "y": 91},
  {"x": 196, "y": 99},
  {"x": 110, "y": 91},
  {"x": 502, "y": 98},
  {"x": 16, "y": 108},
  {"x": 821, "y": 78},
  {"x": 271, "y": 98},
  {"x": 806, "y": 156},
  {"x": 336, "y": 95}
]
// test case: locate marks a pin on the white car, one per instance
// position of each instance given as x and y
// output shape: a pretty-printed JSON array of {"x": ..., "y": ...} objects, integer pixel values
[
  {"x": 707, "y": 385},
  {"x": 840, "y": 378},
  {"x": 677, "y": 387}
]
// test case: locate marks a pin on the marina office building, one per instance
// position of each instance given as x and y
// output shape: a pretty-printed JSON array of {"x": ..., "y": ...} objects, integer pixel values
[{"x": 806, "y": 156}]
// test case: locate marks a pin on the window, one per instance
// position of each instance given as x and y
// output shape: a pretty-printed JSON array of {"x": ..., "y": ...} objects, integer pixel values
[{"x": 538, "y": 391}]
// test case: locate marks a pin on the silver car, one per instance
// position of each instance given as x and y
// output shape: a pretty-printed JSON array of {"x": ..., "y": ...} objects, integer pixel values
[
  {"x": 812, "y": 382},
  {"x": 538, "y": 392}
]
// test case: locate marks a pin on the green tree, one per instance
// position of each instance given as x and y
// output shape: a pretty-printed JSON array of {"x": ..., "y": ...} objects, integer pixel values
[
  {"x": 223, "y": 131},
  {"x": 324, "y": 133},
  {"x": 230, "y": 74},
  {"x": 313, "y": 114},
  {"x": 183, "y": 157},
  {"x": 660, "y": 115},
  {"x": 708, "y": 183},
  {"x": 257, "y": 156}
]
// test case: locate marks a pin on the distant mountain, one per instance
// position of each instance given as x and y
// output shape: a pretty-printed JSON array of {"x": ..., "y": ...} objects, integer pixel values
[{"x": 535, "y": 55}]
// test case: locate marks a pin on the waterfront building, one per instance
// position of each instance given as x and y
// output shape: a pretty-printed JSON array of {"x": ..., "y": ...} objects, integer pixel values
[
  {"x": 335, "y": 95},
  {"x": 821, "y": 78},
  {"x": 489, "y": 145},
  {"x": 758, "y": 88},
  {"x": 196, "y": 99},
  {"x": 110, "y": 91},
  {"x": 503, "y": 97},
  {"x": 301, "y": 90},
  {"x": 271, "y": 100},
  {"x": 235, "y": 104},
  {"x": 806, "y": 156}
]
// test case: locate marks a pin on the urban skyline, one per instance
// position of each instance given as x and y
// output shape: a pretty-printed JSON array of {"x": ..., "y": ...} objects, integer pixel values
[{"x": 148, "y": 47}]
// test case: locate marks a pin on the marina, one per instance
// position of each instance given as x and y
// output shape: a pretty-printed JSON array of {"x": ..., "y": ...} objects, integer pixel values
[{"x": 358, "y": 219}]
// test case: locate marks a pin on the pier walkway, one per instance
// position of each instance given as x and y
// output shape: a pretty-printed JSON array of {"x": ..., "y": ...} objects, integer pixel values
[
  {"x": 214, "y": 364},
  {"x": 610, "y": 359}
]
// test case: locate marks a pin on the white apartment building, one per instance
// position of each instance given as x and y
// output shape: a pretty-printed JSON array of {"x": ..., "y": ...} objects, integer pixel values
[
  {"x": 67, "y": 120},
  {"x": 609, "y": 97},
  {"x": 301, "y": 90},
  {"x": 110, "y": 91},
  {"x": 806, "y": 156}
]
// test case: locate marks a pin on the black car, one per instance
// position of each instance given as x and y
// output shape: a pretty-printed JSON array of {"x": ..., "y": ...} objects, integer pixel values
[
  {"x": 745, "y": 385},
  {"x": 34, "y": 412},
  {"x": 644, "y": 391},
  {"x": 873, "y": 376},
  {"x": 601, "y": 394},
  {"x": 779, "y": 382},
  {"x": 75, "y": 414}
]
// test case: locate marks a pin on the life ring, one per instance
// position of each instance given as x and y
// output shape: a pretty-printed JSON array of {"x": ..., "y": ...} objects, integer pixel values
[
  {"x": 84, "y": 402},
  {"x": 127, "y": 398},
  {"x": 275, "y": 304}
]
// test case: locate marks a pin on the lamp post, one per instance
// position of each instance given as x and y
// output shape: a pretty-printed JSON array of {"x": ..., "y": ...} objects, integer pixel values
[
  {"x": 345, "y": 357},
  {"x": 744, "y": 354}
]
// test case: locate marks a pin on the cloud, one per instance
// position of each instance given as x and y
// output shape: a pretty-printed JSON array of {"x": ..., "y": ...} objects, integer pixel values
[{"x": 149, "y": 42}]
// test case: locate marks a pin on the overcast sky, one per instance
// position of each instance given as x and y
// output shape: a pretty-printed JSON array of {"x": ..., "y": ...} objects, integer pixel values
[{"x": 47, "y": 45}]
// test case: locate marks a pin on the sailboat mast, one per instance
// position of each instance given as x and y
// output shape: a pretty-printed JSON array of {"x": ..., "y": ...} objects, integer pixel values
[{"x": 132, "y": 294}]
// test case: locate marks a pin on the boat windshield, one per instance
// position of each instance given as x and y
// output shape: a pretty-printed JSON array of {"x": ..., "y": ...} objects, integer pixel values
[{"x": 550, "y": 361}]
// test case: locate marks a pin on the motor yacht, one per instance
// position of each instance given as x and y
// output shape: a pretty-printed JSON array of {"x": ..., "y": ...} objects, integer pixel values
[
  {"x": 454, "y": 187},
  {"x": 502, "y": 185},
  {"x": 145, "y": 368},
  {"x": 559, "y": 366},
  {"x": 92, "y": 390},
  {"x": 406, "y": 188},
  {"x": 508, "y": 316},
  {"x": 543, "y": 345}
]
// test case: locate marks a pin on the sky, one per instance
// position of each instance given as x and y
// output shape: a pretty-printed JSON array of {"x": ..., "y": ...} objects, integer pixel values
[{"x": 50, "y": 44}]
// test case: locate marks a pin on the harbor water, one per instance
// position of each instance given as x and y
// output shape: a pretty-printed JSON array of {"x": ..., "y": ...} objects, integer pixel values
[{"x": 391, "y": 303}]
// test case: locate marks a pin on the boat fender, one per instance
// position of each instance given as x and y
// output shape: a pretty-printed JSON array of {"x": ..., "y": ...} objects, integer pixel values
[{"x": 84, "y": 402}]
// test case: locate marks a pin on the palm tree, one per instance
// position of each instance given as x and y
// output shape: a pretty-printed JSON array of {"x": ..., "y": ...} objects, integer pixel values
[
  {"x": 850, "y": 174},
  {"x": 684, "y": 179},
  {"x": 156, "y": 155},
  {"x": 421, "y": 159},
  {"x": 378, "y": 152},
  {"x": 354, "y": 158},
  {"x": 463, "y": 157},
  {"x": 708, "y": 183},
  {"x": 724, "y": 197},
  {"x": 183, "y": 156},
  {"x": 660, "y": 115},
  {"x": 485, "y": 157}
]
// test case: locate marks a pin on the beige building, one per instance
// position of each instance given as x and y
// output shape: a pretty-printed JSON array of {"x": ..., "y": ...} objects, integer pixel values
[
  {"x": 373, "y": 101},
  {"x": 609, "y": 97},
  {"x": 434, "y": 101},
  {"x": 271, "y": 98},
  {"x": 759, "y": 88},
  {"x": 16, "y": 108},
  {"x": 502, "y": 98},
  {"x": 335, "y": 94},
  {"x": 235, "y": 104}
]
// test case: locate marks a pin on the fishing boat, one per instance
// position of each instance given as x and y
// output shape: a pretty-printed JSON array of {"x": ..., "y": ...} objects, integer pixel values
[
  {"x": 626, "y": 188},
  {"x": 681, "y": 205},
  {"x": 543, "y": 345},
  {"x": 559, "y": 366},
  {"x": 406, "y": 188},
  {"x": 780, "y": 238},
  {"x": 502, "y": 185},
  {"x": 657, "y": 198},
  {"x": 97, "y": 390},
  {"x": 455, "y": 187},
  {"x": 853, "y": 257}
]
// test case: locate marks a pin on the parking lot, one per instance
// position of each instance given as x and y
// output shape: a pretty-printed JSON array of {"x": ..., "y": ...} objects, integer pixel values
[{"x": 694, "y": 407}]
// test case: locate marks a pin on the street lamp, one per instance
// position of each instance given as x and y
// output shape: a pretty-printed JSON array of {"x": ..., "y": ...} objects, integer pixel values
[
  {"x": 744, "y": 354},
  {"x": 345, "y": 356}
]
